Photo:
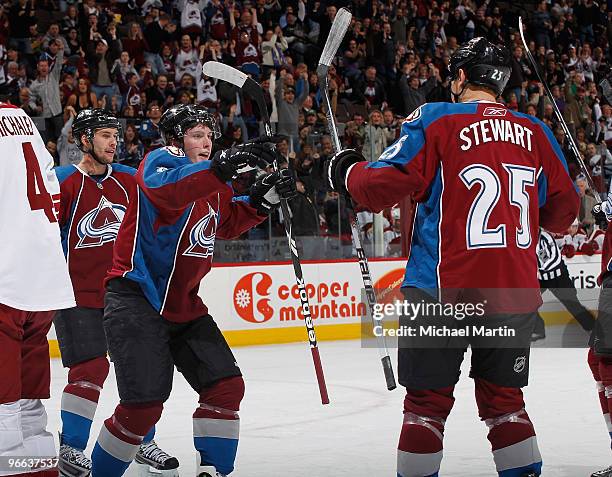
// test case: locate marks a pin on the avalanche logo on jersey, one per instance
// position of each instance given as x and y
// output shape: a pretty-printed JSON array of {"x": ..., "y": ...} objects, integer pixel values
[
  {"x": 202, "y": 235},
  {"x": 100, "y": 225},
  {"x": 413, "y": 116}
]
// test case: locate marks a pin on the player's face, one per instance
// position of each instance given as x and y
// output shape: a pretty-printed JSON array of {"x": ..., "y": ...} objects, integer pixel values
[
  {"x": 105, "y": 144},
  {"x": 198, "y": 143}
]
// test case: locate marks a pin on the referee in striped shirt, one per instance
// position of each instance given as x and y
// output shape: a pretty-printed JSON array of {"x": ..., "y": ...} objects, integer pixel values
[{"x": 554, "y": 276}]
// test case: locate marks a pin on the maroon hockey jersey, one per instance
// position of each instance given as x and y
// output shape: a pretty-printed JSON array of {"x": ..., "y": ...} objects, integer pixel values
[{"x": 91, "y": 212}]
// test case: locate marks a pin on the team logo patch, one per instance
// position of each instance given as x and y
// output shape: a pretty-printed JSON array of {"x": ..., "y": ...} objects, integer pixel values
[
  {"x": 519, "y": 364},
  {"x": 413, "y": 116},
  {"x": 202, "y": 236},
  {"x": 495, "y": 112},
  {"x": 100, "y": 225},
  {"x": 175, "y": 151}
]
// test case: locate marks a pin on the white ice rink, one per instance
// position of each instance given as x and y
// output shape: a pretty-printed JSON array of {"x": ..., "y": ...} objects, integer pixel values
[{"x": 285, "y": 431}]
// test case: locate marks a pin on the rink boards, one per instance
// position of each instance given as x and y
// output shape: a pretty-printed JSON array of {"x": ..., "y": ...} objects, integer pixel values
[{"x": 259, "y": 303}]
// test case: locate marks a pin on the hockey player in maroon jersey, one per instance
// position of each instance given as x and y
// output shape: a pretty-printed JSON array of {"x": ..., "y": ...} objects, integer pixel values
[
  {"x": 153, "y": 317},
  {"x": 600, "y": 351},
  {"x": 94, "y": 197},
  {"x": 484, "y": 179}
]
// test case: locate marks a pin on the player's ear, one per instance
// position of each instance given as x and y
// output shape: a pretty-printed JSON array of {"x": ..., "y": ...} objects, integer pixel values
[
  {"x": 462, "y": 77},
  {"x": 85, "y": 140}
]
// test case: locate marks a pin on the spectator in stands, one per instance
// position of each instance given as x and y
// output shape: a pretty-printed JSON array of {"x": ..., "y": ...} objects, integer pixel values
[
  {"x": 53, "y": 34},
  {"x": 191, "y": 18},
  {"x": 288, "y": 105},
  {"x": 162, "y": 93},
  {"x": 12, "y": 84},
  {"x": 354, "y": 131},
  {"x": 70, "y": 20},
  {"x": 83, "y": 97},
  {"x": 187, "y": 60},
  {"x": 273, "y": 49},
  {"x": 377, "y": 137},
  {"x": 22, "y": 16},
  {"x": 130, "y": 151},
  {"x": 305, "y": 221},
  {"x": 135, "y": 44},
  {"x": 587, "y": 202},
  {"x": 73, "y": 43},
  {"x": 149, "y": 130},
  {"x": 296, "y": 37},
  {"x": 45, "y": 91},
  {"x": 413, "y": 92},
  {"x": 354, "y": 60},
  {"x": 600, "y": 159},
  {"x": 25, "y": 102},
  {"x": 371, "y": 90},
  {"x": 100, "y": 59},
  {"x": 157, "y": 32},
  {"x": 69, "y": 153}
]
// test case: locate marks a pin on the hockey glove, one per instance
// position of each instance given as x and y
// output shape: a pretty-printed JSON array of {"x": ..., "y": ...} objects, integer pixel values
[
  {"x": 229, "y": 163},
  {"x": 266, "y": 193},
  {"x": 338, "y": 166},
  {"x": 600, "y": 216}
]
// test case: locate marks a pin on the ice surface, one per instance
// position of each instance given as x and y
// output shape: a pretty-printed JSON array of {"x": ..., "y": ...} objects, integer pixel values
[{"x": 285, "y": 431}]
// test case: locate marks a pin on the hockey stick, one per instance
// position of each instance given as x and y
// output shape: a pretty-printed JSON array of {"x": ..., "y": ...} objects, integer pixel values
[
  {"x": 224, "y": 72},
  {"x": 336, "y": 35},
  {"x": 551, "y": 98}
]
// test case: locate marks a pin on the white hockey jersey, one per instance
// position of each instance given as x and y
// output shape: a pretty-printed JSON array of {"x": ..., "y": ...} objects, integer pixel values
[{"x": 33, "y": 271}]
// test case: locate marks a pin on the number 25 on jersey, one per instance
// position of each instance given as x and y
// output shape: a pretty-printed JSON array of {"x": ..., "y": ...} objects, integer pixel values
[{"x": 478, "y": 234}]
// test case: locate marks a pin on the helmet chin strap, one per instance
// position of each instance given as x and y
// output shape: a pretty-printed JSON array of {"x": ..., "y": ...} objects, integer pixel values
[
  {"x": 456, "y": 96},
  {"x": 93, "y": 154}
]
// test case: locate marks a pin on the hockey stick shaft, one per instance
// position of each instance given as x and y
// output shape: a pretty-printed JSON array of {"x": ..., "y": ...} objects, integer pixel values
[
  {"x": 334, "y": 39},
  {"x": 255, "y": 91},
  {"x": 232, "y": 75},
  {"x": 551, "y": 98}
]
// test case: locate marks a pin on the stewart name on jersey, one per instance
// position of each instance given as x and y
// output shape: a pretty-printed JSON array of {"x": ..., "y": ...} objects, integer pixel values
[
  {"x": 167, "y": 237},
  {"x": 484, "y": 179},
  {"x": 90, "y": 215}
]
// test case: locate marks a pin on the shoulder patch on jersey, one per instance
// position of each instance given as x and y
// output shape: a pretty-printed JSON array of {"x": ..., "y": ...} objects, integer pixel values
[
  {"x": 414, "y": 115},
  {"x": 123, "y": 168},
  {"x": 161, "y": 169},
  {"x": 64, "y": 172},
  {"x": 175, "y": 151}
]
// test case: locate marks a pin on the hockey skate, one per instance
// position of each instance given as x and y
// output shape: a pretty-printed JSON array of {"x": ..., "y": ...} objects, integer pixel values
[
  {"x": 607, "y": 472},
  {"x": 72, "y": 462},
  {"x": 208, "y": 471},
  {"x": 154, "y": 461}
]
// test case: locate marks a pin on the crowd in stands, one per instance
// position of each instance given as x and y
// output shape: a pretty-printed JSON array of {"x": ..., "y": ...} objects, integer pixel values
[{"x": 138, "y": 57}]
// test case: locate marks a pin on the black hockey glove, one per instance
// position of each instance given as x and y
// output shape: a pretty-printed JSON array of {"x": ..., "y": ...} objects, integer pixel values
[
  {"x": 337, "y": 167},
  {"x": 227, "y": 164},
  {"x": 600, "y": 216},
  {"x": 266, "y": 193}
]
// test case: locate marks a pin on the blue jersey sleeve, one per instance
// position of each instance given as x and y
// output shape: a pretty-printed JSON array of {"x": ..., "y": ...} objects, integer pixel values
[{"x": 171, "y": 181}]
